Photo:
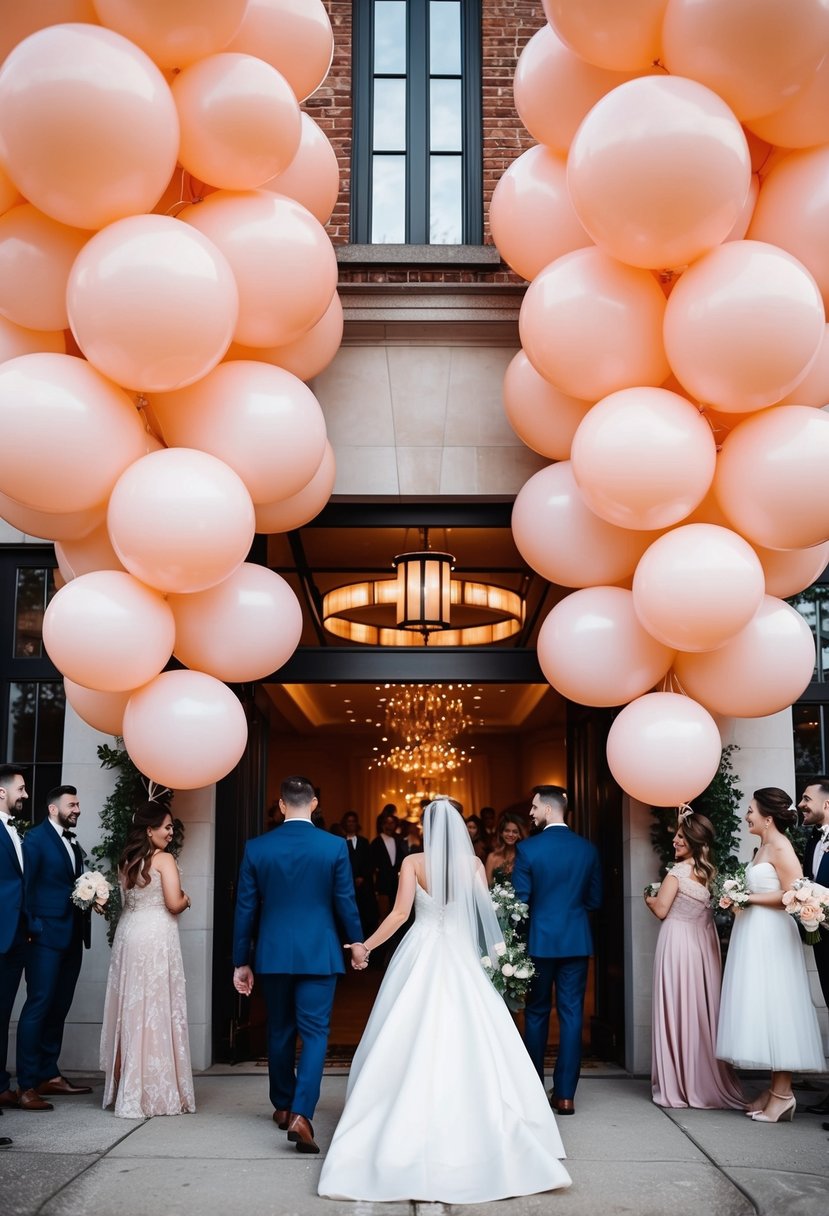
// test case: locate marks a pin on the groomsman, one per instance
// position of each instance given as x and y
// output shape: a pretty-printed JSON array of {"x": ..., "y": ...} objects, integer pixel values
[
  {"x": 52, "y": 860},
  {"x": 814, "y": 807},
  {"x": 557, "y": 874},
  {"x": 12, "y": 919},
  {"x": 359, "y": 854}
]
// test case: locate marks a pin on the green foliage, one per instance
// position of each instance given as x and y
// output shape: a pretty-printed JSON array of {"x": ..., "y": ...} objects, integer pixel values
[{"x": 720, "y": 801}]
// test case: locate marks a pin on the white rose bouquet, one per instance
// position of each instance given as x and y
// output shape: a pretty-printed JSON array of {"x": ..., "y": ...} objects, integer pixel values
[
  {"x": 91, "y": 888},
  {"x": 731, "y": 891},
  {"x": 652, "y": 889},
  {"x": 808, "y": 903},
  {"x": 512, "y": 968}
]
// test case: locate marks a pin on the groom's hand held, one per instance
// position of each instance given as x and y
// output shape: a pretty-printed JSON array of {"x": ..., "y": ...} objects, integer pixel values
[
  {"x": 359, "y": 955},
  {"x": 243, "y": 980}
]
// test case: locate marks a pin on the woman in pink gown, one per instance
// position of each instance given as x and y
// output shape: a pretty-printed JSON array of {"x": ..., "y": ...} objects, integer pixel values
[{"x": 686, "y": 979}]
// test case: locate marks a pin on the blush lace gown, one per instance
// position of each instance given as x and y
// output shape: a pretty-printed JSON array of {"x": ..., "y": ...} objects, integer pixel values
[
  {"x": 443, "y": 1103},
  {"x": 144, "y": 1033},
  {"x": 686, "y": 1002}
]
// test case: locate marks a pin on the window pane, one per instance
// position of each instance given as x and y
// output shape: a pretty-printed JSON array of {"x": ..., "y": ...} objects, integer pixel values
[
  {"x": 389, "y": 115},
  {"x": 823, "y": 635},
  {"x": 30, "y": 604},
  {"x": 51, "y": 714},
  {"x": 390, "y": 36},
  {"x": 22, "y": 722},
  {"x": 809, "y": 757},
  {"x": 445, "y": 201},
  {"x": 388, "y": 200},
  {"x": 445, "y": 115},
  {"x": 444, "y": 37}
]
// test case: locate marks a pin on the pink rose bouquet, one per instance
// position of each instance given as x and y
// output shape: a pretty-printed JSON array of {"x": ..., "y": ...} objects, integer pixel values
[
  {"x": 731, "y": 891},
  {"x": 91, "y": 888},
  {"x": 808, "y": 903}
]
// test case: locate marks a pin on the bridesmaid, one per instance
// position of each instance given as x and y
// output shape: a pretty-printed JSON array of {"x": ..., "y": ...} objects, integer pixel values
[
  {"x": 502, "y": 858},
  {"x": 686, "y": 979}
]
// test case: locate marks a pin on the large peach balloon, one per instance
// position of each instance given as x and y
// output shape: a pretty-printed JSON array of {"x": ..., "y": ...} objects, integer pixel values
[
  {"x": 560, "y": 538},
  {"x": 542, "y": 417},
  {"x": 612, "y": 35},
  {"x": 294, "y": 36},
  {"x": 152, "y": 303},
  {"x": 531, "y": 215},
  {"x": 697, "y": 586},
  {"x": 36, "y": 255},
  {"x": 66, "y": 433},
  {"x": 757, "y": 54},
  {"x": 793, "y": 211},
  {"x": 176, "y": 32},
  {"x": 643, "y": 458},
  {"x": 659, "y": 171},
  {"x": 743, "y": 326},
  {"x": 664, "y": 749},
  {"x": 771, "y": 477},
  {"x": 284, "y": 514},
  {"x": 240, "y": 122},
  {"x": 106, "y": 630},
  {"x": 790, "y": 571},
  {"x": 313, "y": 176},
  {"x": 813, "y": 389},
  {"x": 51, "y": 525},
  {"x": 17, "y": 340},
  {"x": 103, "y": 711},
  {"x": 242, "y": 629},
  {"x": 21, "y": 20},
  {"x": 259, "y": 419},
  {"x": 284, "y": 263},
  {"x": 591, "y": 325},
  {"x": 802, "y": 122},
  {"x": 309, "y": 354},
  {"x": 180, "y": 520},
  {"x": 594, "y": 651},
  {"x": 762, "y": 670},
  {"x": 88, "y": 126},
  {"x": 87, "y": 554}
]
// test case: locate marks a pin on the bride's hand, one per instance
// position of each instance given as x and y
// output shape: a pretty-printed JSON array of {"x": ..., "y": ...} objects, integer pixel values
[{"x": 359, "y": 955}]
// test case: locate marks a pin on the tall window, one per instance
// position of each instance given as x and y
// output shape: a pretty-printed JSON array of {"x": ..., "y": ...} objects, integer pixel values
[
  {"x": 810, "y": 716},
  {"x": 416, "y": 170}
]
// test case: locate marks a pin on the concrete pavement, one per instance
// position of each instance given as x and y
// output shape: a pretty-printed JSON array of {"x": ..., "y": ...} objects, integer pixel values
[{"x": 625, "y": 1155}]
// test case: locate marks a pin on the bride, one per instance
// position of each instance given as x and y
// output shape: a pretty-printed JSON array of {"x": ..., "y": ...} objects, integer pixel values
[{"x": 428, "y": 1121}]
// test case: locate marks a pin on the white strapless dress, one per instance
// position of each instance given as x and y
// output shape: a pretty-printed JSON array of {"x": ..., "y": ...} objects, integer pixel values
[
  {"x": 767, "y": 1017},
  {"x": 442, "y": 1103}
]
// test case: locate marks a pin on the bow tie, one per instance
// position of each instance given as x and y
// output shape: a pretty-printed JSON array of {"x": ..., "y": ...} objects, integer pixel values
[
  {"x": 16, "y": 824},
  {"x": 823, "y": 832},
  {"x": 68, "y": 834}
]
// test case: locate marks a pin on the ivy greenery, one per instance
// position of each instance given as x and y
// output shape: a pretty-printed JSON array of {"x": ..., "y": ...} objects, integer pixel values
[{"x": 720, "y": 801}]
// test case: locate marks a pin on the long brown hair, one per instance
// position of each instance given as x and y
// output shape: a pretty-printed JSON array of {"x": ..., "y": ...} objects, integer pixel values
[
  {"x": 134, "y": 863},
  {"x": 698, "y": 831}
]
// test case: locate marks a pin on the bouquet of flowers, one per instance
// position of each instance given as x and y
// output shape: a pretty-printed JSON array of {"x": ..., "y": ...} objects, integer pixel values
[
  {"x": 731, "y": 891},
  {"x": 808, "y": 903},
  {"x": 512, "y": 969},
  {"x": 652, "y": 889},
  {"x": 91, "y": 888}
]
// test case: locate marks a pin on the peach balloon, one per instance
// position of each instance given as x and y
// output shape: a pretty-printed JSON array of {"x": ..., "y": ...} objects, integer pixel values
[
  {"x": 36, "y": 255},
  {"x": 10, "y": 196},
  {"x": 531, "y": 217},
  {"x": 88, "y": 126},
  {"x": 813, "y": 389},
  {"x": 757, "y": 54},
  {"x": 21, "y": 20},
  {"x": 87, "y": 554},
  {"x": 313, "y": 176},
  {"x": 50, "y": 525},
  {"x": 66, "y": 433},
  {"x": 743, "y": 326},
  {"x": 790, "y": 571},
  {"x": 299, "y": 509},
  {"x": 664, "y": 749},
  {"x": 643, "y": 458},
  {"x": 561, "y": 539},
  {"x": 182, "y": 190},
  {"x": 613, "y": 35},
  {"x": 180, "y": 520},
  {"x": 542, "y": 417},
  {"x": 771, "y": 477},
  {"x": 243, "y": 629},
  {"x": 802, "y": 122},
  {"x": 762, "y": 670},
  {"x": 16, "y": 340},
  {"x": 591, "y": 325},
  {"x": 103, "y": 711},
  {"x": 659, "y": 171},
  {"x": 697, "y": 586},
  {"x": 259, "y": 419},
  {"x": 240, "y": 121},
  {"x": 594, "y": 651},
  {"x": 793, "y": 211},
  {"x": 176, "y": 32},
  {"x": 743, "y": 221},
  {"x": 310, "y": 354},
  {"x": 294, "y": 36},
  {"x": 185, "y": 730},
  {"x": 108, "y": 631},
  {"x": 152, "y": 303},
  {"x": 284, "y": 263}
]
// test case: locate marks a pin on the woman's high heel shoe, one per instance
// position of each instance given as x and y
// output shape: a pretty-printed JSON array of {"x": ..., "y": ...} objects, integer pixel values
[{"x": 787, "y": 1113}]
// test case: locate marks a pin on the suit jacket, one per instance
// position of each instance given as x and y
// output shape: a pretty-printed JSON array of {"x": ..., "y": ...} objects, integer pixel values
[
  {"x": 11, "y": 891},
  {"x": 557, "y": 873},
  {"x": 359, "y": 855},
  {"x": 386, "y": 872},
  {"x": 48, "y": 879},
  {"x": 296, "y": 898},
  {"x": 822, "y": 875}
]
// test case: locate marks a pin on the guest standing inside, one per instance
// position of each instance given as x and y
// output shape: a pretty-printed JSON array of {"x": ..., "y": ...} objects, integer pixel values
[
  {"x": 814, "y": 807},
  {"x": 145, "y": 1050},
  {"x": 687, "y": 973},
  {"x": 12, "y": 919},
  {"x": 767, "y": 1019},
  {"x": 387, "y": 853},
  {"x": 478, "y": 837},
  {"x": 501, "y": 860},
  {"x": 359, "y": 854}
]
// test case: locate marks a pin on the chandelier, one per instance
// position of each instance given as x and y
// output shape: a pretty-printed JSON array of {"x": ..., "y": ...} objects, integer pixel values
[{"x": 426, "y": 720}]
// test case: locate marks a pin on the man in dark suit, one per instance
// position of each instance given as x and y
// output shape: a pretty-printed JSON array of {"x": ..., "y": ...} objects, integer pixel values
[
  {"x": 295, "y": 886},
  {"x": 387, "y": 852},
  {"x": 558, "y": 875},
  {"x": 359, "y": 854},
  {"x": 12, "y": 919},
  {"x": 814, "y": 807},
  {"x": 52, "y": 860}
]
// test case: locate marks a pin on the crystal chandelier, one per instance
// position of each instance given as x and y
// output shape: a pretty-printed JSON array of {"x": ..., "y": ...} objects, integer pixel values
[{"x": 425, "y": 720}]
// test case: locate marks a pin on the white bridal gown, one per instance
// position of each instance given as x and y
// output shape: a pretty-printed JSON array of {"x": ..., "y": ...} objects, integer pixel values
[{"x": 443, "y": 1103}]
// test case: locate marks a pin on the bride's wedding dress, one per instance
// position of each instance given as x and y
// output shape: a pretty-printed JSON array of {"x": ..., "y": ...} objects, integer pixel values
[{"x": 443, "y": 1103}]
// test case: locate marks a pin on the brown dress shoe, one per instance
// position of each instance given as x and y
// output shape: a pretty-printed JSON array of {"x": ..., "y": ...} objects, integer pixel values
[
  {"x": 280, "y": 1118},
  {"x": 30, "y": 1099},
  {"x": 62, "y": 1088},
  {"x": 566, "y": 1106},
  {"x": 8, "y": 1098},
  {"x": 301, "y": 1133}
]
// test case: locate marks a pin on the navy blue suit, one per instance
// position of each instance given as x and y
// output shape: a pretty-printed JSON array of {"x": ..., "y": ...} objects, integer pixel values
[
  {"x": 558, "y": 875},
  {"x": 58, "y": 931},
  {"x": 296, "y": 902},
  {"x": 820, "y": 948},
  {"x": 12, "y": 942}
]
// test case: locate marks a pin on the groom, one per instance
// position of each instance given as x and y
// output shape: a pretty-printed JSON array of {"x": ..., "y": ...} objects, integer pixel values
[
  {"x": 814, "y": 807},
  {"x": 296, "y": 898},
  {"x": 558, "y": 875}
]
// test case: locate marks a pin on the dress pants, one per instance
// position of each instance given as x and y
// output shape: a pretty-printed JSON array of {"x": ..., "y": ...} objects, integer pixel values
[
  {"x": 569, "y": 975},
  {"x": 297, "y": 1005},
  {"x": 11, "y": 969},
  {"x": 51, "y": 976}
]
